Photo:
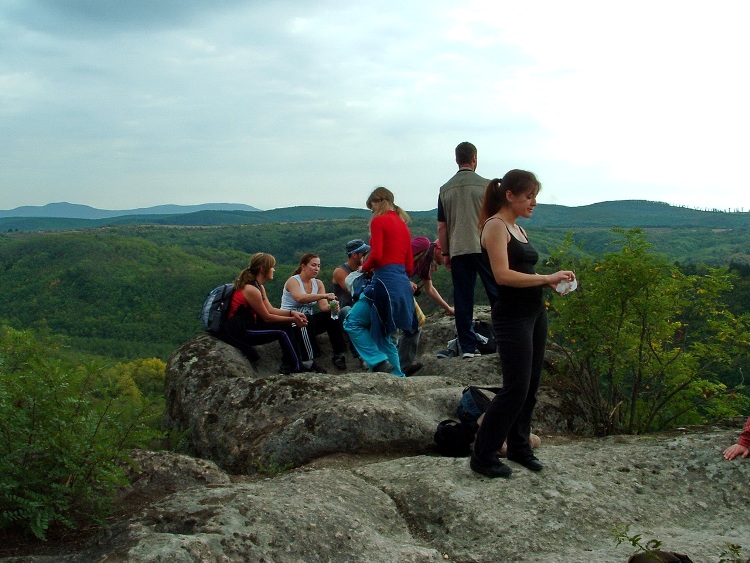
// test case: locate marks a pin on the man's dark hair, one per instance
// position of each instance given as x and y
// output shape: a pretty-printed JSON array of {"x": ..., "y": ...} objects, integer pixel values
[{"x": 465, "y": 153}]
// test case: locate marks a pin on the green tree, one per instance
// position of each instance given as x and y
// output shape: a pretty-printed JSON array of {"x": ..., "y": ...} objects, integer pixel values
[{"x": 642, "y": 341}]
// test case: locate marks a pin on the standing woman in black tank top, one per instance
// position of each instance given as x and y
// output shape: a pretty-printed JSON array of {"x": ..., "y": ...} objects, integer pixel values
[{"x": 519, "y": 319}]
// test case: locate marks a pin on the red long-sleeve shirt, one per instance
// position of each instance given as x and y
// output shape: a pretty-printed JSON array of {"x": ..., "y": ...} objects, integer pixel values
[{"x": 390, "y": 243}]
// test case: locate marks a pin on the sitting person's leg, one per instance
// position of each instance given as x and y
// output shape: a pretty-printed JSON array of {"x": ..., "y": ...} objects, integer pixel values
[
  {"x": 308, "y": 344},
  {"x": 305, "y": 339},
  {"x": 243, "y": 332},
  {"x": 290, "y": 362},
  {"x": 322, "y": 322},
  {"x": 264, "y": 333},
  {"x": 233, "y": 333},
  {"x": 247, "y": 350}
]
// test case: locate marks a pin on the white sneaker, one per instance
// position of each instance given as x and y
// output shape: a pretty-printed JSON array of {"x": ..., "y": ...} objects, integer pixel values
[{"x": 469, "y": 355}]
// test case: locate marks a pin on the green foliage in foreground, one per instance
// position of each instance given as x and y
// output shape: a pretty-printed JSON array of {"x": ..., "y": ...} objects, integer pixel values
[
  {"x": 65, "y": 431},
  {"x": 649, "y": 549},
  {"x": 644, "y": 344}
]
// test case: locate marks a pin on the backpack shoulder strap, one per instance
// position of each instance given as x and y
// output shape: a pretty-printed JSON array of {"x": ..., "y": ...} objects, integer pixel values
[{"x": 493, "y": 389}]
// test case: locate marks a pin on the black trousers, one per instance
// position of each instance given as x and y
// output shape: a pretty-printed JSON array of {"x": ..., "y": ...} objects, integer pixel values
[
  {"x": 464, "y": 271},
  {"x": 521, "y": 339},
  {"x": 243, "y": 334},
  {"x": 319, "y": 323}
]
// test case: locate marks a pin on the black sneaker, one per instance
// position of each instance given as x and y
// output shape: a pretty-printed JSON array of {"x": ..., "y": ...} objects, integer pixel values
[
  {"x": 412, "y": 369},
  {"x": 530, "y": 462},
  {"x": 339, "y": 361},
  {"x": 316, "y": 368},
  {"x": 495, "y": 468},
  {"x": 285, "y": 369}
]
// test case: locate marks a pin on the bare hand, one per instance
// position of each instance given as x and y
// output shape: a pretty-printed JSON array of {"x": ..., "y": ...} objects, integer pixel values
[
  {"x": 557, "y": 277},
  {"x": 299, "y": 318},
  {"x": 734, "y": 451}
]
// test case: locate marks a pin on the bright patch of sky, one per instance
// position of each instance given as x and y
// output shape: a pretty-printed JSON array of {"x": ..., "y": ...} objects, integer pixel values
[{"x": 120, "y": 105}]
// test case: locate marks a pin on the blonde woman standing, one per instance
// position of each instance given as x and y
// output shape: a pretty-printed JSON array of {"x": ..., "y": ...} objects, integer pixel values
[{"x": 387, "y": 304}]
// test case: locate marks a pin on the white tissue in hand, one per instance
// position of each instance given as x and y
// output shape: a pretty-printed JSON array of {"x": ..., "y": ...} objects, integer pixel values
[{"x": 565, "y": 286}]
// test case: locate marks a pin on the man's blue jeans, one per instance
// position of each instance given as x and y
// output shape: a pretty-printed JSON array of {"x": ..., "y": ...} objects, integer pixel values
[{"x": 464, "y": 270}]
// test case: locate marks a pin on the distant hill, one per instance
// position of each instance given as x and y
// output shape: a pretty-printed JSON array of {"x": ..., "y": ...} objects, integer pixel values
[
  {"x": 75, "y": 211},
  {"x": 634, "y": 213},
  {"x": 626, "y": 214}
]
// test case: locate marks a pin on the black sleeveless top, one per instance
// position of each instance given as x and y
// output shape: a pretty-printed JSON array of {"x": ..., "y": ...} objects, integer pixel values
[
  {"x": 343, "y": 296},
  {"x": 522, "y": 257}
]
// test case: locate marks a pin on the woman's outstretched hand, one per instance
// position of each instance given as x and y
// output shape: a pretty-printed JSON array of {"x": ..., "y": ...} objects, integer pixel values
[{"x": 561, "y": 276}]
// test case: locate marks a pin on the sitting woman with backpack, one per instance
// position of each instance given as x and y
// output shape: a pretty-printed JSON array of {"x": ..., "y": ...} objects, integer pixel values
[
  {"x": 301, "y": 292},
  {"x": 253, "y": 321}
]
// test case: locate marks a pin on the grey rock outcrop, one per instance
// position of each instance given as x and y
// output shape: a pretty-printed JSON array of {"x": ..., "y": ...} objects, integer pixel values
[
  {"x": 674, "y": 487},
  {"x": 248, "y": 418}
]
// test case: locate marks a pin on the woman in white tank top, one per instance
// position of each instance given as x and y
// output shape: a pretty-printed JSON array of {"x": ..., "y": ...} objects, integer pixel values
[{"x": 301, "y": 293}]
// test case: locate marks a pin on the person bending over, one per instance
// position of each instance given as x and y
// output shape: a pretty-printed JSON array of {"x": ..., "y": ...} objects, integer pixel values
[{"x": 427, "y": 259}]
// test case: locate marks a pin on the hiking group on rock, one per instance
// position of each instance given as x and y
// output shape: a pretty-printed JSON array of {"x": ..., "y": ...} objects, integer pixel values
[{"x": 373, "y": 304}]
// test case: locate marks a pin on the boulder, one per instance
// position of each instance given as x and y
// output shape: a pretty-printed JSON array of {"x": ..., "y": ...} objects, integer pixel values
[{"x": 247, "y": 418}]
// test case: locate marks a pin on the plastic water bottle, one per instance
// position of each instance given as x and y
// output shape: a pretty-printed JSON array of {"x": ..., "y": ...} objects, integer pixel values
[{"x": 334, "y": 305}]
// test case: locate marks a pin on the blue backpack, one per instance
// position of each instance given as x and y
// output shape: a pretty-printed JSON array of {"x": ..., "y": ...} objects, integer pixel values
[
  {"x": 216, "y": 308},
  {"x": 473, "y": 404},
  {"x": 356, "y": 282}
]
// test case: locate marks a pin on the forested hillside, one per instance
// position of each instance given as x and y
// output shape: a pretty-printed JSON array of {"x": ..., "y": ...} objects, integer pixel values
[{"x": 131, "y": 292}]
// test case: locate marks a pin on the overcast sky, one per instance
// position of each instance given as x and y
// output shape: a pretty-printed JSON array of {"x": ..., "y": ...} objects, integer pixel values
[{"x": 131, "y": 103}]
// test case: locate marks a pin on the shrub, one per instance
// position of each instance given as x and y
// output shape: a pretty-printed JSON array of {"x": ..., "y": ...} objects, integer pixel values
[
  {"x": 642, "y": 341},
  {"x": 64, "y": 434}
]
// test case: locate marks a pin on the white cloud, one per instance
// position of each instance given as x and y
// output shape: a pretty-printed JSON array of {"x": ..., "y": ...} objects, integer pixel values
[{"x": 151, "y": 104}]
